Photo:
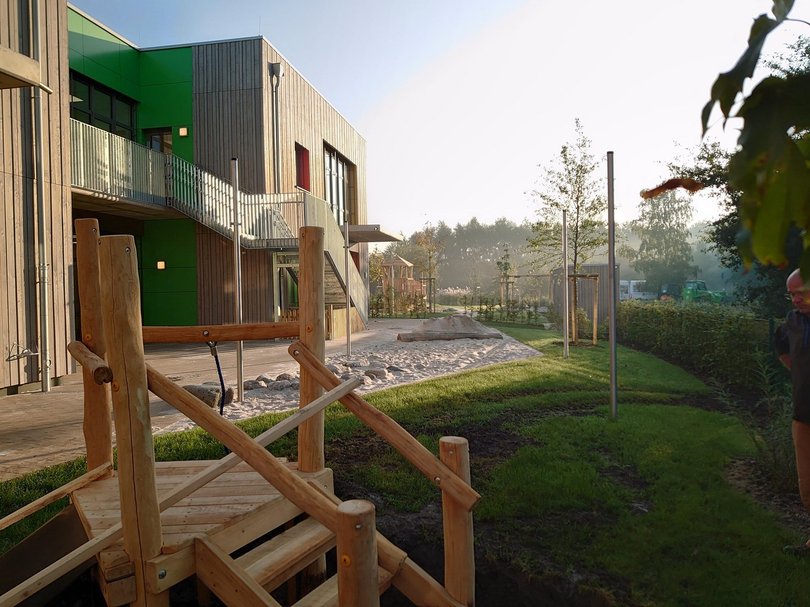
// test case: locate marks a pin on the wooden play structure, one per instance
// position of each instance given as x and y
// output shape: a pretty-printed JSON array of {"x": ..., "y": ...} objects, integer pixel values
[{"x": 250, "y": 523}]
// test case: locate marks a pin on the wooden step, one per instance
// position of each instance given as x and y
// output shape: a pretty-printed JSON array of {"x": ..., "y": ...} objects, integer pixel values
[
  {"x": 218, "y": 571},
  {"x": 326, "y": 595},
  {"x": 283, "y": 556}
]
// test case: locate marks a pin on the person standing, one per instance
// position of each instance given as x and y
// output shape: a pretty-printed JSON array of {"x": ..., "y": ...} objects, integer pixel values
[{"x": 792, "y": 344}]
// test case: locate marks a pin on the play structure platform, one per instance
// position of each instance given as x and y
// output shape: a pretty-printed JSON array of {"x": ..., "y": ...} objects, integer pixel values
[{"x": 251, "y": 528}]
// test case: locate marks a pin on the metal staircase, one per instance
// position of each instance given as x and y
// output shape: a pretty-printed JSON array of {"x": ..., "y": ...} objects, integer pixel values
[{"x": 117, "y": 169}]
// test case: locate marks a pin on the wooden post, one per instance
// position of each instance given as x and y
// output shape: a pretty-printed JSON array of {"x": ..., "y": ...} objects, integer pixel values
[
  {"x": 140, "y": 514},
  {"x": 97, "y": 400},
  {"x": 313, "y": 334},
  {"x": 357, "y": 555},
  {"x": 459, "y": 555},
  {"x": 595, "y": 307},
  {"x": 311, "y": 306}
]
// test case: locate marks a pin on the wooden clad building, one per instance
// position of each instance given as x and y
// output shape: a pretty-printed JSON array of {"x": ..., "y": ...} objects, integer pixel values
[
  {"x": 142, "y": 140},
  {"x": 23, "y": 317}
]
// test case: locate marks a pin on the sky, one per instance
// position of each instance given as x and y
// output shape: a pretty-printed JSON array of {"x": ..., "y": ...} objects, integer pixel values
[{"x": 463, "y": 102}]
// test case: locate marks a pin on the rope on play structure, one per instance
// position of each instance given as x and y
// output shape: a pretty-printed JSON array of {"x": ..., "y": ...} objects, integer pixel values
[{"x": 213, "y": 346}]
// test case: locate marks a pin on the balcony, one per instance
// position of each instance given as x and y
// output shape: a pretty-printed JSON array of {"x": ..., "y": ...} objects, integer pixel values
[{"x": 115, "y": 175}]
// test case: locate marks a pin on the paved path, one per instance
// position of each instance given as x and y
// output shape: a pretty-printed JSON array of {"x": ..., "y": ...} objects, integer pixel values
[{"x": 42, "y": 429}]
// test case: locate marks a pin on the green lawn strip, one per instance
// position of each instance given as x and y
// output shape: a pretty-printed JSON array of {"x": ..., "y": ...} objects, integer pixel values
[
  {"x": 645, "y": 499},
  {"x": 635, "y": 370}
]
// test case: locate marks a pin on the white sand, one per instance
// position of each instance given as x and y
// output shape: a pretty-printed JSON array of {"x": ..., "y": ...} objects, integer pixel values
[{"x": 381, "y": 365}]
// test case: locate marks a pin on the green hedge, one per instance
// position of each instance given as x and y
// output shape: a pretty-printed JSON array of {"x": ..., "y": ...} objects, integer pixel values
[{"x": 720, "y": 342}]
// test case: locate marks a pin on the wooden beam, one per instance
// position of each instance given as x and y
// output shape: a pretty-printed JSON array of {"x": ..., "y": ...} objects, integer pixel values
[
  {"x": 457, "y": 525},
  {"x": 140, "y": 514},
  {"x": 218, "y": 571},
  {"x": 312, "y": 331},
  {"x": 358, "y": 584},
  {"x": 391, "y": 431},
  {"x": 97, "y": 425},
  {"x": 236, "y": 332},
  {"x": 295, "y": 489},
  {"x": 98, "y": 368}
]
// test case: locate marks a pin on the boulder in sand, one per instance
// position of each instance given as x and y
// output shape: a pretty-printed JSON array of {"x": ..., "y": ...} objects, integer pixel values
[{"x": 456, "y": 326}]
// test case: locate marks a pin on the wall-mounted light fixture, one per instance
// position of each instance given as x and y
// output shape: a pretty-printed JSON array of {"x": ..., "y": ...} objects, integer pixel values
[
  {"x": 161, "y": 265},
  {"x": 183, "y": 131}
]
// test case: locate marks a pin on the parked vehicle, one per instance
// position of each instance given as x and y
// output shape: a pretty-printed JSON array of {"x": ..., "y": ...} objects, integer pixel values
[
  {"x": 695, "y": 290},
  {"x": 670, "y": 291},
  {"x": 635, "y": 289}
]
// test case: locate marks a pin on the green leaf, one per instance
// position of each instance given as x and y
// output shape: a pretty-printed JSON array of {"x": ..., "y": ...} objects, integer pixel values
[{"x": 729, "y": 84}]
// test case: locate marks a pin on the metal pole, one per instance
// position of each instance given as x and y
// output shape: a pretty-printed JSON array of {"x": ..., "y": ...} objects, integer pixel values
[
  {"x": 348, "y": 295},
  {"x": 237, "y": 273},
  {"x": 565, "y": 282},
  {"x": 42, "y": 249},
  {"x": 614, "y": 401}
]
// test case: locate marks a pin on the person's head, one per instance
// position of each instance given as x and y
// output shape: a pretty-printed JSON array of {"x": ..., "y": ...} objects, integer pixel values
[{"x": 799, "y": 292}]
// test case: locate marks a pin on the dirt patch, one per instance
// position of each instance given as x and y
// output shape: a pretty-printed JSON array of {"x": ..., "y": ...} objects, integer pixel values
[{"x": 747, "y": 476}]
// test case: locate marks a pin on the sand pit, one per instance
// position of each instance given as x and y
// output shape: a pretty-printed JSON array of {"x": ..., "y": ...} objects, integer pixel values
[
  {"x": 456, "y": 326},
  {"x": 380, "y": 365}
]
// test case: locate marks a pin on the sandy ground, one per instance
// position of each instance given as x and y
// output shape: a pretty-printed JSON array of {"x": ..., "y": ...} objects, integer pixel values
[{"x": 379, "y": 365}]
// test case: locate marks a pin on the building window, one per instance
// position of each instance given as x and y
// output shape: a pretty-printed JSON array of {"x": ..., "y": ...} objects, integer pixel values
[
  {"x": 302, "y": 167},
  {"x": 93, "y": 103},
  {"x": 159, "y": 140},
  {"x": 339, "y": 175}
]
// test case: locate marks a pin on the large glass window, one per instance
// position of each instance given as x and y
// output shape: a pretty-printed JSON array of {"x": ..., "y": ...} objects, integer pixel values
[
  {"x": 95, "y": 104},
  {"x": 338, "y": 186}
]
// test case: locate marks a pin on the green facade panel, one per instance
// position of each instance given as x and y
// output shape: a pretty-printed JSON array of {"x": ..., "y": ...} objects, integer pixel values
[
  {"x": 169, "y": 295},
  {"x": 160, "y": 81},
  {"x": 170, "y": 309},
  {"x": 102, "y": 56}
]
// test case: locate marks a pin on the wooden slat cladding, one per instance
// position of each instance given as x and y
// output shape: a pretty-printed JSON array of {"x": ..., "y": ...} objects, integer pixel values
[
  {"x": 19, "y": 317},
  {"x": 215, "y": 282},
  {"x": 228, "y": 112},
  {"x": 233, "y": 117}
]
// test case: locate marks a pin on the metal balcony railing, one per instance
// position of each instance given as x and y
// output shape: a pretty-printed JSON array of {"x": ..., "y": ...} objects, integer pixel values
[{"x": 111, "y": 166}]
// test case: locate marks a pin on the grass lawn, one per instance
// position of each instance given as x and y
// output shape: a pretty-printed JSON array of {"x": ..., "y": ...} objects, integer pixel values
[{"x": 577, "y": 508}]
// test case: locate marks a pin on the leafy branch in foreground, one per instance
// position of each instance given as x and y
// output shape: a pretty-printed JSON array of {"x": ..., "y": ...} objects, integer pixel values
[{"x": 771, "y": 167}]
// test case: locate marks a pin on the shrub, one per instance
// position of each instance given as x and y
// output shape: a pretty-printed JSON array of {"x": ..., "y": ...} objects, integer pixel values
[{"x": 720, "y": 342}]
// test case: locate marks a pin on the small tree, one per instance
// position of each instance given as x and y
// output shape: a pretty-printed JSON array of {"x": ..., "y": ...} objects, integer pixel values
[
  {"x": 664, "y": 253},
  {"x": 432, "y": 246},
  {"x": 570, "y": 185},
  {"x": 504, "y": 269},
  {"x": 375, "y": 271}
]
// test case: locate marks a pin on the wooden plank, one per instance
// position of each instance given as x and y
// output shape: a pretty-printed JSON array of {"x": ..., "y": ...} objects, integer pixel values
[
  {"x": 218, "y": 572},
  {"x": 280, "y": 558},
  {"x": 118, "y": 592},
  {"x": 326, "y": 595},
  {"x": 55, "y": 495}
]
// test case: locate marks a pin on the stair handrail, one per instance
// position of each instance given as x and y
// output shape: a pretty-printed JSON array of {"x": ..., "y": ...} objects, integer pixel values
[{"x": 317, "y": 213}]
